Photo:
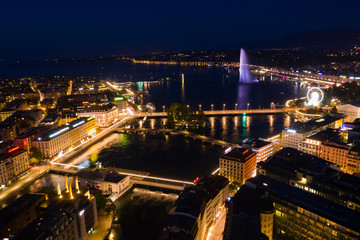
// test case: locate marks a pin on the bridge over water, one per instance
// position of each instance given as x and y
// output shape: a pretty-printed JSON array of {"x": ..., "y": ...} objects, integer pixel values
[
  {"x": 227, "y": 112},
  {"x": 136, "y": 177}
]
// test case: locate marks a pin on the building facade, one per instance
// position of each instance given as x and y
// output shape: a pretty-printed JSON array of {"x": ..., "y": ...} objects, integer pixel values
[
  {"x": 302, "y": 215},
  {"x": 293, "y": 136},
  {"x": 351, "y": 109},
  {"x": 106, "y": 180},
  {"x": 238, "y": 165},
  {"x": 313, "y": 175},
  {"x": 62, "y": 139},
  {"x": 12, "y": 164},
  {"x": 196, "y": 209},
  {"x": 263, "y": 149},
  {"x": 104, "y": 115}
]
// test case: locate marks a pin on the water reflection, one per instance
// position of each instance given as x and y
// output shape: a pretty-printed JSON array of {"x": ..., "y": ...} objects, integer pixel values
[{"x": 235, "y": 128}]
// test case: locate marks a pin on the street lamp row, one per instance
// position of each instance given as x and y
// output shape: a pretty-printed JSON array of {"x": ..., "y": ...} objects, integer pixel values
[{"x": 272, "y": 106}]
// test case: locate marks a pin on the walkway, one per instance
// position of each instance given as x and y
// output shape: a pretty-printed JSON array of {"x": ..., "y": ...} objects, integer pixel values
[{"x": 225, "y": 112}]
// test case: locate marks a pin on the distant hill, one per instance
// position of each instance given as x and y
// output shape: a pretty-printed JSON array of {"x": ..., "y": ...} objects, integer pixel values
[{"x": 314, "y": 40}]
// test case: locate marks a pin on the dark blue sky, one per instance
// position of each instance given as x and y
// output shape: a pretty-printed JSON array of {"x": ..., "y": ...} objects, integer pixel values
[{"x": 52, "y": 28}]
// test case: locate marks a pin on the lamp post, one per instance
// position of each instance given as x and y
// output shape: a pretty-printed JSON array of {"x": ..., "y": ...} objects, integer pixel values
[
  {"x": 248, "y": 106},
  {"x": 163, "y": 108},
  {"x": 224, "y": 106},
  {"x": 212, "y": 107},
  {"x": 235, "y": 106},
  {"x": 199, "y": 107}
]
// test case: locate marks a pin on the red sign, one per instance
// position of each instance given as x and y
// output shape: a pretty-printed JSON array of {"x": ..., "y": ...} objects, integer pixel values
[{"x": 13, "y": 149}]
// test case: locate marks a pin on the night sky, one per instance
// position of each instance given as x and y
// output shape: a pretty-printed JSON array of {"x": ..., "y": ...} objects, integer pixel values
[{"x": 52, "y": 28}]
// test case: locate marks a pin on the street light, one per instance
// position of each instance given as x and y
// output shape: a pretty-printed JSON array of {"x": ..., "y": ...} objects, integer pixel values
[
  {"x": 164, "y": 108},
  {"x": 247, "y": 106},
  {"x": 235, "y": 106},
  {"x": 199, "y": 107},
  {"x": 212, "y": 107},
  {"x": 224, "y": 106},
  {"x": 187, "y": 106}
]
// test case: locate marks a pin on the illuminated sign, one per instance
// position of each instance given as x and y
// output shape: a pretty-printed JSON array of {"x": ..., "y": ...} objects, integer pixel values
[
  {"x": 118, "y": 99},
  {"x": 228, "y": 150},
  {"x": 197, "y": 180},
  {"x": 291, "y": 130},
  {"x": 58, "y": 132},
  {"x": 78, "y": 124},
  {"x": 85, "y": 102},
  {"x": 13, "y": 149}
]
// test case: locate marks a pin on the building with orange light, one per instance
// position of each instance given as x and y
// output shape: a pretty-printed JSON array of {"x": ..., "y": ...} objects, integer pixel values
[
  {"x": 13, "y": 163},
  {"x": 238, "y": 165},
  {"x": 104, "y": 115},
  {"x": 334, "y": 146},
  {"x": 62, "y": 139}
]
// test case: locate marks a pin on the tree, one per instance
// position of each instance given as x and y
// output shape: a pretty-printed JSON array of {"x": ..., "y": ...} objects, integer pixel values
[
  {"x": 100, "y": 199},
  {"x": 35, "y": 156},
  {"x": 182, "y": 115},
  {"x": 334, "y": 110}
]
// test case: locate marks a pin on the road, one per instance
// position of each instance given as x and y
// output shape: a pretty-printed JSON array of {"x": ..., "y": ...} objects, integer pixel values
[
  {"x": 217, "y": 228},
  {"x": 21, "y": 183}
]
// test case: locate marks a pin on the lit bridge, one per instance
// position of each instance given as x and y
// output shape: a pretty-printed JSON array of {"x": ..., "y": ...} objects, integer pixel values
[
  {"x": 136, "y": 177},
  {"x": 225, "y": 112}
]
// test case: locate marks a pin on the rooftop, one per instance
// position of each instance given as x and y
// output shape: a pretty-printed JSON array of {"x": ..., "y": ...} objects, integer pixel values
[
  {"x": 288, "y": 161},
  {"x": 63, "y": 129},
  {"x": 188, "y": 206},
  {"x": 105, "y": 175},
  {"x": 354, "y": 103},
  {"x": 21, "y": 204},
  {"x": 12, "y": 152},
  {"x": 256, "y": 143},
  {"x": 239, "y": 154},
  {"x": 12, "y": 106},
  {"x": 300, "y": 127},
  {"x": 320, "y": 206}
]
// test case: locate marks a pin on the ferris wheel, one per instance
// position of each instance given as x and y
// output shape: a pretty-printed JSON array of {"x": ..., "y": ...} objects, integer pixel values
[{"x": 314, "y": 96}]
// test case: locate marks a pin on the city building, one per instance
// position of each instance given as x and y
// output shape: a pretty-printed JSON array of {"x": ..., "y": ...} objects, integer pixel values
[
  {"x": 70, "y": 215},
  {"x": 263, "y": 149},
  {"x": 62, "y": 139},
  {"x": 238, "y": 165},
  {"x": 249, "y": 216},
  {"x": 104, "y": 115},
  {"x": 106, "y": 180},
  {"x": 313, "y": 175},
  {"x": 351, "y": 109},
  {"x": 52, "y": 119},
  {"x": 25, "y": 139},
  {"x": 10, "y": 108},
  {"x": 303, "y": 215},
  {"x": 334, "y": 145},
  {"x": 13, "y": 163},
  {"x": 8, "y": 131},
  {"x": 67, "y": 117},
  {"x": 121, "y": 103},
  {"x": 56, "y": 224},
  {"x": 196, "y": 209},
  {"x": 19, "y": 214},
  {"x": 292, "y": 136}
]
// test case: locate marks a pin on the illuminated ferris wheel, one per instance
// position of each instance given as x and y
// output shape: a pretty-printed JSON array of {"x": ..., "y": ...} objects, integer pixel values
[{"x": 315, "y": 95}]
